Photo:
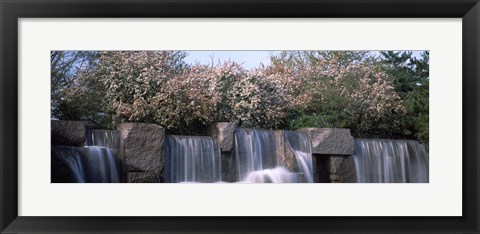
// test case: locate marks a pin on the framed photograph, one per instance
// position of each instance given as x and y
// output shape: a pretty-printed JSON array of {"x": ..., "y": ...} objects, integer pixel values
[{"x": 227, "y": 116}]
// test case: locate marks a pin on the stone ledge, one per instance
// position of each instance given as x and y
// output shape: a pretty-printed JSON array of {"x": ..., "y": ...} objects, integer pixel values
[
  {"x": 142, "y": 147},
  {"x": 286, "y": 156},
  {"x": 224, "y": 132},
  {"x": 142, "y": 177},
  {"x": 332, "y": 141},
  {"x": 68, "y": 133},
  {"x": 342, "y": 169}
]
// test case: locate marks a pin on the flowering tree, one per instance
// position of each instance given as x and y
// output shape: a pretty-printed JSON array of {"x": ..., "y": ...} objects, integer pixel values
[
  {"x": 225, "y": 92},
  {"x": 339, "y": 89},
  {"x": 299, "y": 89},
  {"x": 258, "y": 100},
  {"x": 412, "y": 84},
  {"x": 132, "y": 79},
  {"x": 65, "y": 67},
  {"x": 157, "y": 87}
]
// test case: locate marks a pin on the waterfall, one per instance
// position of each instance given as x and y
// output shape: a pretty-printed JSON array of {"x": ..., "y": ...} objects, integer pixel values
[
  {"x": 192, "y": 159},
  {"x": 258, "y": 155},
  {"x": 102, "y": 161},
  {"x": 391, "y": 161},
  {"x": 301, "y": 146},
  {"x": 90, "y": 164},
  {"x": 106, "y": 138},
  {"x": 255, "y": 150},
  {"x": 101, "y": 165},
  {"x": 72, "y": 158},
  {"x": 95, "y": 163},
  {"x": 275, "y": 175}
]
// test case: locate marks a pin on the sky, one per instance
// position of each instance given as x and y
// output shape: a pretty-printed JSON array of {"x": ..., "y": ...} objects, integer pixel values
[{"x": 249, "y": 59}]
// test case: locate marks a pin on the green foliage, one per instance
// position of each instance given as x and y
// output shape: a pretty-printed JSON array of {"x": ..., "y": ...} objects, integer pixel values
[
  {"x": 310, "y": 121},
  {"x": 412, "y": 84},
  {"x": 341, "y": 89},
  {"x": 158, "y": 87},
  {"x": 64, "y": 70},
  {"x": 384, "y": 94},
  {"x": 136, "y": 83}
]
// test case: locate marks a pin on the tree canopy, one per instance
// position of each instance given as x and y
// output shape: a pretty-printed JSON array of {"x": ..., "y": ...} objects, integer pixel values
[{"x": 383, "y": 94}]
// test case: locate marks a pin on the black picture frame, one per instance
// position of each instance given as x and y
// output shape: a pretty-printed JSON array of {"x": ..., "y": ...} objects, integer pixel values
[{"x": 11, "y": 11}]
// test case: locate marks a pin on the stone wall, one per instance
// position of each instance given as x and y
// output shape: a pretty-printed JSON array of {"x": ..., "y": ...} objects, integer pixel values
[
  {"x": 332, "y": 150},
  {"x": 64, "y": 134},
  {"x": 142, "y": 152},
  {"x": 224, "y": 132},
  {"x": 336, "y": 141},
  {"x": 67, "y": 133},
  {"x": 229, "y": 167},
  {"x": 342, "y": 169},
  {"x": 142, "y": 177},
  {"x": 331, "y": 147},
  {"x": 287, "y": 157}
]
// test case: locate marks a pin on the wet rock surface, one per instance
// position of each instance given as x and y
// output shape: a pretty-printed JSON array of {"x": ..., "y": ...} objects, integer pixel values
[
  {"x": 333, "y": 141},
  {"x": 342, "y": 169},
  {"x": 224, "y": 132},
  {"x": 143, "y": 177},
  {"x": 142, "y": 147},
  {"x": 69, "y": 133}
]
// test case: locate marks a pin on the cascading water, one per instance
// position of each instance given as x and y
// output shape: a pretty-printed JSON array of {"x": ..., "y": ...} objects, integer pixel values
[
  {"x": 301, "y": 146},
  {"x": 275, "y": 175},
  {"x": 193, "y": 159},
  {"x": 391, "y": 161},
  {"x": 106, "y": 138},
  {"x": 258, "y": 159},
  {"x": 96, "y": 162},
  {"x": 102, "y": 161},
  {"x": 90, "y": 164},
  {"x": 101, "y": 165},
  {"x": 72, "y": 158},
  {"x": 255, "y": 150}
]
